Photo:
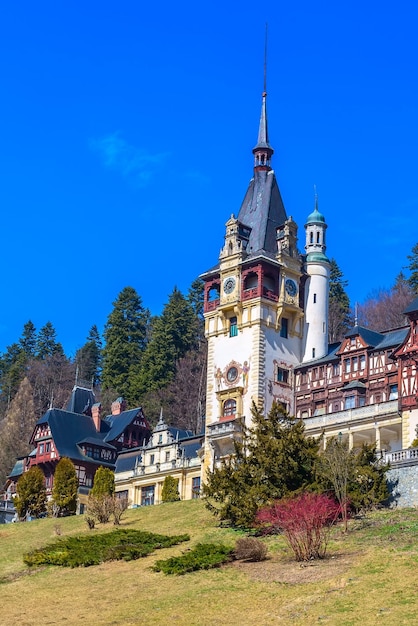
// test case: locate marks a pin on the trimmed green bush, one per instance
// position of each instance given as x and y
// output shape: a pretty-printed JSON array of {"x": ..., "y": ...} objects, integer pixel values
[
  {"x": 92, "y": 550},
  {"x": 203, "y": 556}
]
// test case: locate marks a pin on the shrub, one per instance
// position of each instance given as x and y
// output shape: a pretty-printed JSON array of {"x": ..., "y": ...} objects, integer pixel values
[
  {"x": 94, "y": 549},
  {"x": 64, "y": 492},
  {"x": 305, "y": 521},
  {"x": 250, "y": 549},
  {"x": 119, "y": 507},
  {"x": 170, "y": 490},
  {"x": 203, "y": 556},
  {"x": 31, "y": 494},
  {"x": 100, "y": 507}
]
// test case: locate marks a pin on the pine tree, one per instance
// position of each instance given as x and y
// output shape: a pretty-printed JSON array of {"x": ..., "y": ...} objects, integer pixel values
[
  {"x": 413, "y": 268},
  {"x": 47, "y": 344},
  {"x": 89, "y": 357},
  {"x": 173, "y": 335},
  {"x": 125, "y": 340},
  {"x": 64, "y": 491},
  {"x": 273, "y": 460},
  {"x": 28, "y": 340},
  {"x": 339, "y": 304},
  {"x": 31, "y": 494}
]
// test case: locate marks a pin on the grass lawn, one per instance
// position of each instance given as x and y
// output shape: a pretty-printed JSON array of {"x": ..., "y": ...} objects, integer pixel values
[{"x": 369, "y": 577}]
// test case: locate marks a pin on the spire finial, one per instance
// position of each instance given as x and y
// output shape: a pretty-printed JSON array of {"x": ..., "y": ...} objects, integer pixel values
[
  {"x": 265, "y": 62},
  {"x": 316, "y": 198},
  {"x": 263, "y": 150},
  {"x": 356, "y": 314}
]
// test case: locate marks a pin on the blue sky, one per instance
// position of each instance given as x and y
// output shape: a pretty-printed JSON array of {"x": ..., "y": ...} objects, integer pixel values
[{"x": 126, "y": 137}]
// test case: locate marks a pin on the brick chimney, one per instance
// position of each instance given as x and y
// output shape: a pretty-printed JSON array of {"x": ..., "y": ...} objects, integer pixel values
[
  {"x": 118, "y": 406},
  {"x": 96, "y": 411}
]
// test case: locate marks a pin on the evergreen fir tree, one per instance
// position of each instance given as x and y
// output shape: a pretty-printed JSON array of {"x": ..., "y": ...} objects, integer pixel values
[
  {"x": 28, "y": 340},
  {"x": 125, "y": 336},
  {"x": 47, "y": 344},
  {"x": 89, "y": 357},
  {"x": 64, "y": 492},
  {"x": 31, "y": 494},
  {"x": 170, "y": 490},
  {"x": 339, "y": 304},
  {"x": 173, "y": 335},
  {"x": 413, "y": 268},
  {"x": 273, "y": 460},
  {"x": 104, "y": 483}
]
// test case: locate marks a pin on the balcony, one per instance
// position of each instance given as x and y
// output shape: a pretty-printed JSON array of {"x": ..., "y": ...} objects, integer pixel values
[
  {"x": 402, "y": 458},
  {"x": 225, "y": 428},
  {"x": 364, "y": 413}
]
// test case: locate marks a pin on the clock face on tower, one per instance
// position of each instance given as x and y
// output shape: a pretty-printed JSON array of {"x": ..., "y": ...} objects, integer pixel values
[
  {"x": 229, "y": 284},
  {"x": 291, "y": 287}
]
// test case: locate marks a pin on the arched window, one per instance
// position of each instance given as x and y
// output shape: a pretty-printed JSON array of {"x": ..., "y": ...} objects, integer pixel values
[{"x": 229, "y": 408}]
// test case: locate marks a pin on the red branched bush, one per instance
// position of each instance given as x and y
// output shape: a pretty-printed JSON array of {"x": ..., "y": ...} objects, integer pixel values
[{"x": 305, "y": 521}]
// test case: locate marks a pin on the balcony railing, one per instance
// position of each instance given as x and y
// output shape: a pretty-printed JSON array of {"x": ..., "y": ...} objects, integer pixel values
[
  {"x": 403, "y": 457},
  {"x": 226, "y": 428},
  {"x": 352, "y": 415}
]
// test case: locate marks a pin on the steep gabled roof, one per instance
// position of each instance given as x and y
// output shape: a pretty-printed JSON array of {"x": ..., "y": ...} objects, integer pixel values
[
  {"x": 118, "y": 423},
  {"x": 370, "y": 337},
  {"x": 411, "y": 308},
  {"x": 393, "y": 338},
  {"x": 81, "y": 401},
  {"x": 263, "y": 211},
  {"x": 68, "y": 430}
]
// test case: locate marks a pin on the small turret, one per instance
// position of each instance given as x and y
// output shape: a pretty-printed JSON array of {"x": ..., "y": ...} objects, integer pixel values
[{"x": 317, "y": 268}]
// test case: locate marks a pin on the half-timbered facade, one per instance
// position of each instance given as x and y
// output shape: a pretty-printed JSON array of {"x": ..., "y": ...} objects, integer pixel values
[{"x": 85, "y": 437}]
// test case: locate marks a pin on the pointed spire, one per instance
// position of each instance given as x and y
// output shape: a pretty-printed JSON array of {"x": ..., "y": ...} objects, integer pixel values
[{"x": 263, "y": 150}]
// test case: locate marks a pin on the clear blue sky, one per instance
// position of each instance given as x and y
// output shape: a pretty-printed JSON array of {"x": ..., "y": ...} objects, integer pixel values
[{"x": 126, "y": 137}]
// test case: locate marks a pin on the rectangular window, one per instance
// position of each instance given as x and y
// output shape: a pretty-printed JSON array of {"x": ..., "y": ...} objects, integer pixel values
[
  {"x": 362, "y": 400},
  {"x": 313, "y": 353},
  {"x": 233, "y": 327},
  {"x": 393, "y": 392},
  {"x": 167, "y": 456},
  {"x": 160, "y": 438},
  {"x": 151, "y": 459},
  {"x": 284, "y": 327},
  {"x": 147, "y": 495},
  {"x": 347, "y": 366},
  {"x": 282, "y": 375},
  {"x": 350, "y": 402},
  {"x": 48, "y": 447},
  {"x": 336, "y": 369},
  {"x": 314, "y": 298},
  {"x": 41, "y": 448},
  {"x": 362, "y": 362},
  {"x": 355, "y": 364},
  {"x": 196, "y": 487}
]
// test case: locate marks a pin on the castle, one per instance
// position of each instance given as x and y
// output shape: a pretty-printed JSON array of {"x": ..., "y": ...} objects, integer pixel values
[{"x": 266, "y": 323}]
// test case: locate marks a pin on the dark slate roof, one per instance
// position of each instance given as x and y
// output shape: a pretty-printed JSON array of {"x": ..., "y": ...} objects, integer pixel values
[
  {"x": 370, "y": 337},
  {"x": 67, "y": 429},
  {"x": 330, "y": 356},
  {"x": 127, "y": 461},
  {"x": 17, "y": 469},
  {"x": 189, "y": 450},
  {"x": 355, "y": 384},
  {"x": 179, "y": 434},
  {"x": 96, "y": 441},
  {"x": 81, "y": 401},
  {"x": 412, "y": 307},
  {"x": 393, "y": 338},
  {"x": 263, "y": 211},
  {"x": 118, "y": 423}
]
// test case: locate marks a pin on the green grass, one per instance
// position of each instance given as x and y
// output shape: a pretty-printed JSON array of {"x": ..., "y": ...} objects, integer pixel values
[{"x": 375, "y": 585}]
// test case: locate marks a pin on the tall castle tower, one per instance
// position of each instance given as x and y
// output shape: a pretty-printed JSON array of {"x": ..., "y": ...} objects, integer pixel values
[
  {"x": 317, "y": 268},
  {"x": 253, "y": 308}
]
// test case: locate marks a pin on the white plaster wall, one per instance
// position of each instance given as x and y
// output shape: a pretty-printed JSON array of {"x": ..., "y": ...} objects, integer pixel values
[{"x": 316, "y": 312}]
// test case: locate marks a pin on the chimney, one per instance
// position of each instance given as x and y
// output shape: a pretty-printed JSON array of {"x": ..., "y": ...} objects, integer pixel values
[
  {"x": 96, "y": 410},
  {"x": 118, "y": 406}
]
